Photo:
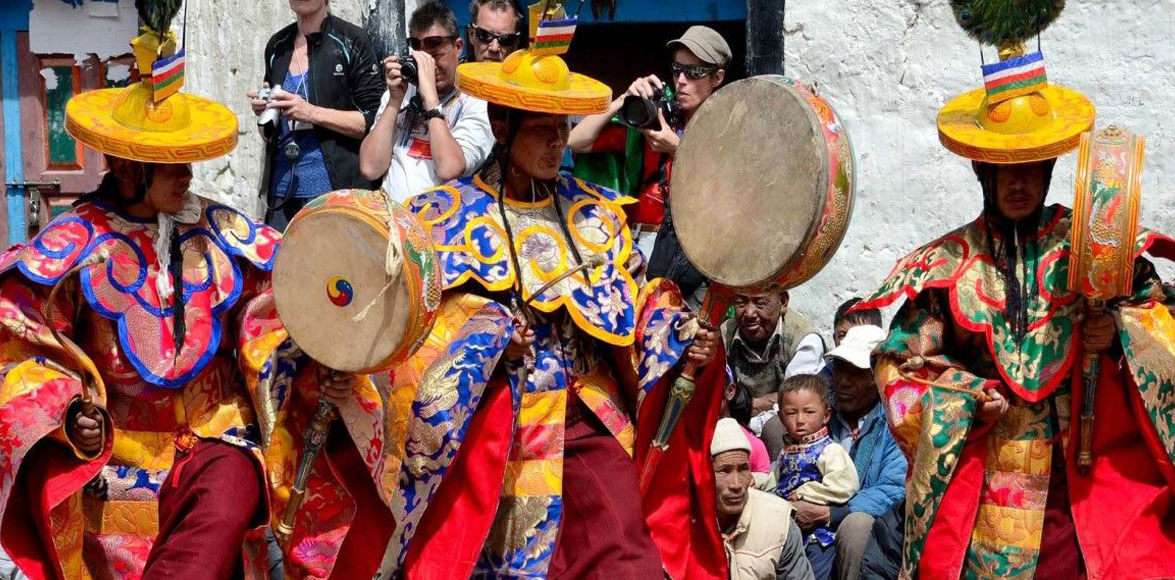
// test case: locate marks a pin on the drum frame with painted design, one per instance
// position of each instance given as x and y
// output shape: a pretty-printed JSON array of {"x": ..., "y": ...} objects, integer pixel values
[
  {"x": 331, "y": 268},
  {"x": 763, "y": 184},
  {"x": 1105, "y": 213}
]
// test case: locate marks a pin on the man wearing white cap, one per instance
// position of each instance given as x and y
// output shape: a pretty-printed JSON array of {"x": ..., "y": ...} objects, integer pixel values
[
  {"x": 859, "y": 425},
  {"x": 761, "y": 540}
]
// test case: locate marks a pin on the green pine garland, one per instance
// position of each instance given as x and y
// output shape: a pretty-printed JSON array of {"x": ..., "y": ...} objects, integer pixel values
[
  {"x": 1001, "y": 22},
  {"x": 158, "y": 14}
]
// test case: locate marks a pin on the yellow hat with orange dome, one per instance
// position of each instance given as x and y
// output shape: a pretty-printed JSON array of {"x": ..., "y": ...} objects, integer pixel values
[
  {"x": 536, "y": 78},
  {"x": 1018, "y": 117},
  {"x": 151, "y": 120}
]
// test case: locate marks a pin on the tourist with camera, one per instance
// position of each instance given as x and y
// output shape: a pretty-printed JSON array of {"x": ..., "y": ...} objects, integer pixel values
[
  {"x": 659, "y": 111},
  {"x": 438, "y": 133},
  {"x": 319, "y": 97}
]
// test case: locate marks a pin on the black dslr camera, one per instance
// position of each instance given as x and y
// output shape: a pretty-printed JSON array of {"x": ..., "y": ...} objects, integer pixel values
[{"x": 641, "y": 113}]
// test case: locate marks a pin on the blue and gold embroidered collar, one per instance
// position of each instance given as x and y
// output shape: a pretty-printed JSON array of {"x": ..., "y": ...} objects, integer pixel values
[{"x": 466, "y": 227}]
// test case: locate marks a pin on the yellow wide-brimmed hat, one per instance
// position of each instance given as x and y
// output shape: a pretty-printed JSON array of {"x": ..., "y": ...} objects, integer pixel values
[
  {"x": 530, "y": 82},
  {"x": 537, "y": 79},
  {"x": 151, "y": 121},
  {"x": 1040, "y": 125}
]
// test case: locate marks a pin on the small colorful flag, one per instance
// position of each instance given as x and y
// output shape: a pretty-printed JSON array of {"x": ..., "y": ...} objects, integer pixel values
[
  {"x": 554, "y": 36},
  {"x": 167, "y": 76},
  {"x": 1014, "y": 77}
]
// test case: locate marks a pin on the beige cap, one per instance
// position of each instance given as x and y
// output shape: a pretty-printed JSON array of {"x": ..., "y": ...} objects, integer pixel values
[
  {"x": 729, "y": 436},
  {"x": 706, "y": 44}
]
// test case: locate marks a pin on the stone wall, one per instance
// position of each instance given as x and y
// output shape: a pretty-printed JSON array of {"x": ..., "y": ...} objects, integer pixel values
[{"x": 887, "y": 66}]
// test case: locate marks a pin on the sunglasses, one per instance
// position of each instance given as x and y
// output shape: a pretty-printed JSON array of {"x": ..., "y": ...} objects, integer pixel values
[
  {"x": 507, "y": 40},
  {"x": 430, "y": 43},
  {"x": 693, "y": 72}
]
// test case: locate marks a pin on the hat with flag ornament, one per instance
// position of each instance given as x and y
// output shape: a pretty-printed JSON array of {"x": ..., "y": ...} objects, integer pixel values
[
  {"x": 151, "y": 120},
  {"x": 1018, "y": 116},
  {"x": 536, "y": 78}
]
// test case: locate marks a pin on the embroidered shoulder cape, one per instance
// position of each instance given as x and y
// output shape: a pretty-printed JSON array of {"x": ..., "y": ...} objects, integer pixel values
[
  {"x": 471, "y": 241},
  {"x": 121, "y": 287},
  {"x": 961, "y": 264}
]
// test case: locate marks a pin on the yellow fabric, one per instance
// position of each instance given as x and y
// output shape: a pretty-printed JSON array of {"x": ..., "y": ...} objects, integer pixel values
[{"x": 838, "y": 478}]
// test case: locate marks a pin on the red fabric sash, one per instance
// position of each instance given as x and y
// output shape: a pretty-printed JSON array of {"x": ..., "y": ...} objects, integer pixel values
[
  {"x": 680, "y": 506},
  {"x": 459, "y": 517},
  {"x": 48, "y": 476}
]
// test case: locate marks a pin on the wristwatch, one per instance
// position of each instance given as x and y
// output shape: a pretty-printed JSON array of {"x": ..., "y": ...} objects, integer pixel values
[{"x": 434, "y": 113}]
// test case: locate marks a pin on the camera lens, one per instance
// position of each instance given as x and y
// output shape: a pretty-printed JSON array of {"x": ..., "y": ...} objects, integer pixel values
[
  {"x": 408, "y": 69},
  {"x": 638, "y": 112}
]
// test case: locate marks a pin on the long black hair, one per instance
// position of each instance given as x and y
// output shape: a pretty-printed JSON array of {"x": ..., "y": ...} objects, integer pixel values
[
  {"x": 109, "y": 192},
  {"x": 1009, "y": 240}
]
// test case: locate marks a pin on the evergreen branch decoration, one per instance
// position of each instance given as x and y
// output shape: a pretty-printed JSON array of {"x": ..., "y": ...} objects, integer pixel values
[
  {"x": 158, "y": 14},
  {"x": 1001, "y": 22}
]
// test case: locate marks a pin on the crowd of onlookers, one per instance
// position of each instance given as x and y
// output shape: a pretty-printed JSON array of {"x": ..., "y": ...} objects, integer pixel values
[
  {"x": 804, "y": 433},
  {"x": 810, "y": 483}
]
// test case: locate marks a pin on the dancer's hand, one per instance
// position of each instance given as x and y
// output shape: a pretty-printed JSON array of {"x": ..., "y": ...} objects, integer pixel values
[
  {"x": 521, "y": 340},
  {"x": 991, "y": 410},
  {"x": 85, "y": 430},
  {"x": 705, "y": 345}
]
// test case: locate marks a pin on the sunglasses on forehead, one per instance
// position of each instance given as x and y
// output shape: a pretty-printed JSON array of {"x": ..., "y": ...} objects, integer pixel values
[
  {"x": 507, "y": 40},
  {"x": 693, "y": 72},
  {"x": 430, "y": 43}
]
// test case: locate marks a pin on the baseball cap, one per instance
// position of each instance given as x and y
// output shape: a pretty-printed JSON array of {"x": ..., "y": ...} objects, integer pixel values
[
  {"x": 858, "y": 345},
  {"x": 706, "y": 44}
]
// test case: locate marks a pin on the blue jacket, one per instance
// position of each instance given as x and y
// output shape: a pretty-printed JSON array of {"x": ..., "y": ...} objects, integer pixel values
[{"x": 881, "y": 467}]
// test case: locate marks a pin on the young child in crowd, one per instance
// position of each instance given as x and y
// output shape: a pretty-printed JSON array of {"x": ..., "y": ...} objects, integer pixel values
[{"x": 811, "y": 467}]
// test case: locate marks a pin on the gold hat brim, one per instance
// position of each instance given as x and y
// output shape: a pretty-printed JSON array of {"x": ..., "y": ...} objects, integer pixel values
[
  {"x": 583, "y": 95},
  {"x": 210, "y": 131},
  {"x": 960, "y": 132}
]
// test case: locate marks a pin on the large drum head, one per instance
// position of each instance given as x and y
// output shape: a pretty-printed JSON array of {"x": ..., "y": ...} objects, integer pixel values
[
  {"x": 750, "y": 180},
  {"x": 331, "y": 267}
]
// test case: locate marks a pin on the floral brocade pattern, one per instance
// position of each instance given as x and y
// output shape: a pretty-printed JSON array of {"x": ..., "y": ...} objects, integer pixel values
[
  {"x": 471, "y": 242},
  {"x": 1148, "y": 339},
  {"x": 960, "y": 264}
]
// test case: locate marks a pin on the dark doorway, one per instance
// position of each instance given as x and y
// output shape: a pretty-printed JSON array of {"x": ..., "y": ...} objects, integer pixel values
[{"x": 617, "y": 53}]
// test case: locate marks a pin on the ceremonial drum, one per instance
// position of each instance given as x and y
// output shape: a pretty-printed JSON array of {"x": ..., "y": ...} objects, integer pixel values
[
  {"x": 1105, "y": 213},
  {"x": 335, "y": 294},
  {"x": 763, "y": 181}
]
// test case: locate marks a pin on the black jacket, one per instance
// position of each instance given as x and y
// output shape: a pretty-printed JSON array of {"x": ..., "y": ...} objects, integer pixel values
[{"x": 345, "y": 75}]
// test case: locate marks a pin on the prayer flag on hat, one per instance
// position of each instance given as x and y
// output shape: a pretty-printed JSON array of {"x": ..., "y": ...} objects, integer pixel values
[
  {"x": 167, "y": 76},
  {"x": 1014, "y": 77},
  {"x": 554, "y": 36}
]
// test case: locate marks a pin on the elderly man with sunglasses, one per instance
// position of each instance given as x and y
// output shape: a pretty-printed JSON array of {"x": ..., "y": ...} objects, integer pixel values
[
  {"x": 438, "y": 133},
  {"x": 698, "y": 68},
  {"x": 493, "y": 31}
]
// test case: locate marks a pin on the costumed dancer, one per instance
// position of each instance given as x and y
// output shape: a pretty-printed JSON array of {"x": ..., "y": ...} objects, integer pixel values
[
  {"x": 132, "y": 437},
  {"x": 981, "y": 373},
  {"x": 548, "y": 423}
]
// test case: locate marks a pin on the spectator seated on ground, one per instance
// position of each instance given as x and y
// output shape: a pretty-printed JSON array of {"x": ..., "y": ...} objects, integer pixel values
[
  {"x": 859, "y": 425},
  {"x": 812, "y": 469},
  {"x": 765, "y": 344},
  {"x": 761, "y": 540}
]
